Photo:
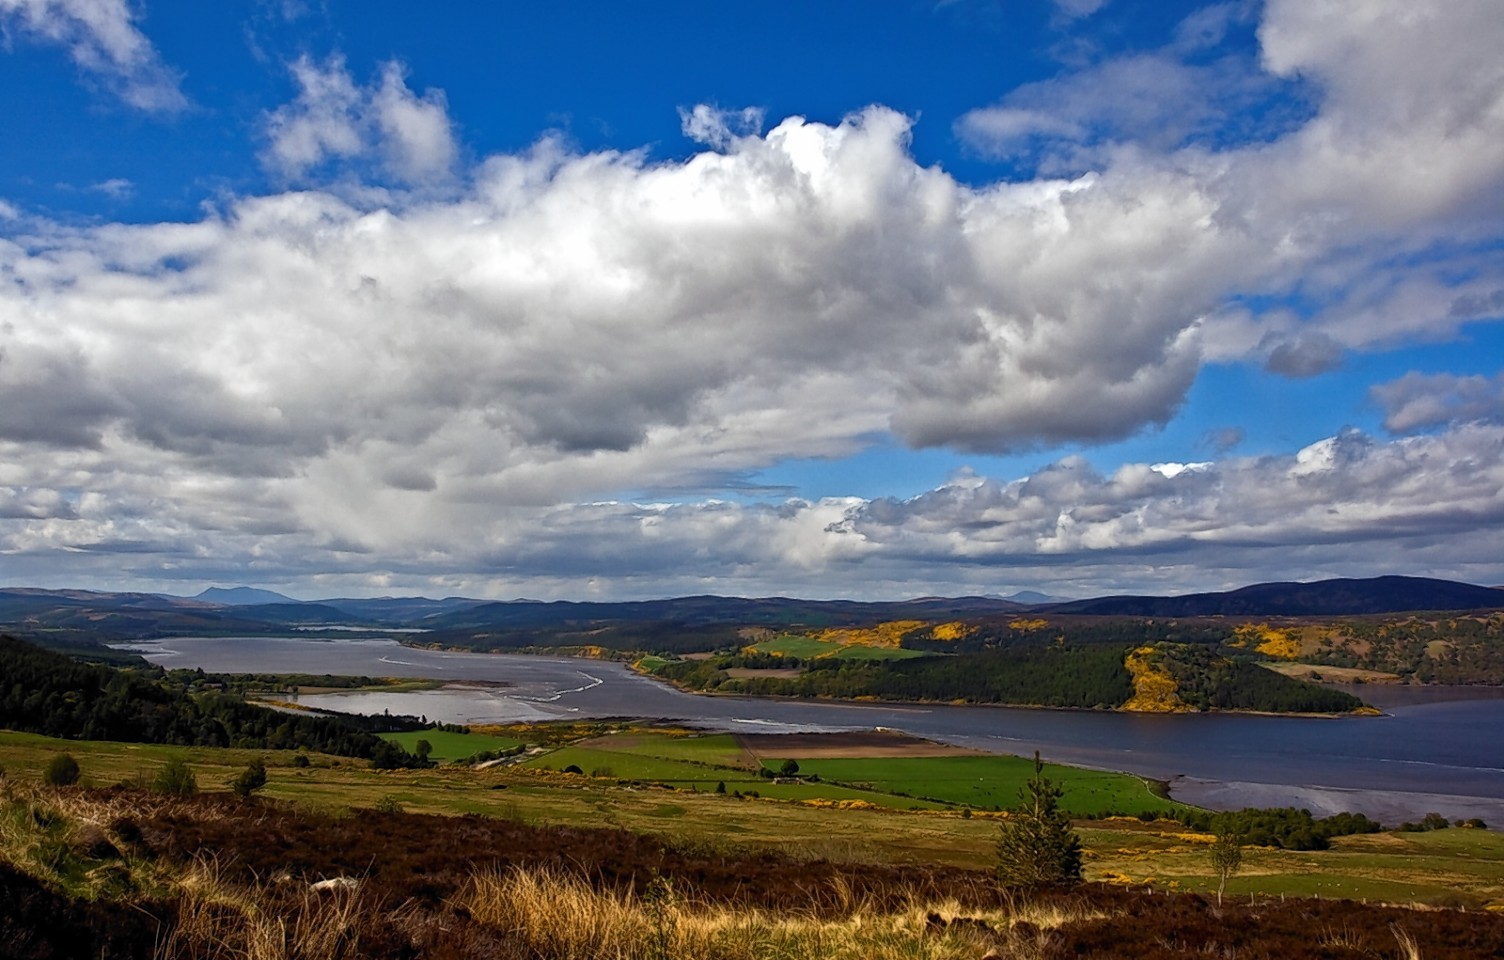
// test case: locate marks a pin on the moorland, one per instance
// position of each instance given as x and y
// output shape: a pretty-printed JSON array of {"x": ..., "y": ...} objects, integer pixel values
[{"x": 148, "y": 813}]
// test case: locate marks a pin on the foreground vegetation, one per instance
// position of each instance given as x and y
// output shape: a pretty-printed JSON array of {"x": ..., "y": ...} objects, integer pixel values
[
  {"x": 239, "y": 837},
  {"x": 123, "y": 872},
  {"x": 1450, "y": 866}
]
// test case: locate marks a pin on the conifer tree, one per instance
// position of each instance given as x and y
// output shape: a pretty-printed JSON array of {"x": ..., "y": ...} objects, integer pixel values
[{"x": 1037, "y": 847}]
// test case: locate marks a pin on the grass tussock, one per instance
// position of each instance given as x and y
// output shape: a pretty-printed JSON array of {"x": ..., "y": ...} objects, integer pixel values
[{"x": 557, "y": 916}]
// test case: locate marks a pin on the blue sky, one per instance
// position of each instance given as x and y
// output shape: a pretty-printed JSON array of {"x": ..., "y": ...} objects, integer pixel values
[{"x": 820, "y": 299}]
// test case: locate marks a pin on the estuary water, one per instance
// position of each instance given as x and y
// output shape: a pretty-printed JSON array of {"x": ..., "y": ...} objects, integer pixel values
[{"x": 1434, "y": 750}]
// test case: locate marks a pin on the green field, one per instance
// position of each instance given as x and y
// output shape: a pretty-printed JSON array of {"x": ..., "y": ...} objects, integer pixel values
[
  {"x": 702, "y": 777},
  {"x": 981, "y": 782},
  {"x": 1453, "y": 866},
  {"x": 989, "y": 783},
  {"x": 718, "y": 749},
  {"x": 448, "y": 745}
]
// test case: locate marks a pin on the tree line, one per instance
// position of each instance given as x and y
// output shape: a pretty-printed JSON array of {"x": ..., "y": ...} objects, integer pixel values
[{"x": 50, "y": 694}]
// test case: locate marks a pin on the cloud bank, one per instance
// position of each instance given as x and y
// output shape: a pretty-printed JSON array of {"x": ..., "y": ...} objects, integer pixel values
[{"x": 417, "y": 373}]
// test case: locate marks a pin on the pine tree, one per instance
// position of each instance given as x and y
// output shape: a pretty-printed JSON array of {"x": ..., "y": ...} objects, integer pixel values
[{"x": 1037, "y": 847}]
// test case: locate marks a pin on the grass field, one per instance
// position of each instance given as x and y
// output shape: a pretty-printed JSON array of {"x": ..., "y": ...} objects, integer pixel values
[
  {"x": 1453, "y": 866},
  {"x": 989, "y": 783},
  {"x": 450, "y": 746},
  {"x": 720, "y": 749},
  {"x": 810, "y": 648},
  {"x": 983, "y": 782}
]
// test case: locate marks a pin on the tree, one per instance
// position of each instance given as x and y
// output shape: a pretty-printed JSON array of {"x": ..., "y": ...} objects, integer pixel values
[
  {"x": 790, "y": 768},
  {"x": 422, "y": 749},
  {"x": 175, "y": 778},
  {"x": 61, "y": 771},
  {"x": 251, "y": 779},
  {"x": 1226, "y": 856},
  {"x": 1036, "y": 846}
]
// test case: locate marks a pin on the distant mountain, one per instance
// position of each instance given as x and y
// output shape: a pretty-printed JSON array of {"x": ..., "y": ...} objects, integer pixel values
[
  {"x": 241, "y": 596},
  {"x": 1033, "y": 598},
  {"x": 1323, "y": 598},
  {"x": 710, "y": 610}
]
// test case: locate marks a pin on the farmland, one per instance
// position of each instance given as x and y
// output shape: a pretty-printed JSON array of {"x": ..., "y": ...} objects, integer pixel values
[{"x": 1452, "y": 866}]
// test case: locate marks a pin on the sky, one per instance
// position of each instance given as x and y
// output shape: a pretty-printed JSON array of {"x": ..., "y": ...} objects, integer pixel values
[{"x": 595, "y": 300}]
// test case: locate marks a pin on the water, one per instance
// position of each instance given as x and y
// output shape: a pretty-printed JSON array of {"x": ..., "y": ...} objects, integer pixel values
[{"x": 1428, "y": 753}]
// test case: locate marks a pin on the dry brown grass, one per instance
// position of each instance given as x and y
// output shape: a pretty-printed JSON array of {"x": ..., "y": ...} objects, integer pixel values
[{"x": 559, "y": 916}]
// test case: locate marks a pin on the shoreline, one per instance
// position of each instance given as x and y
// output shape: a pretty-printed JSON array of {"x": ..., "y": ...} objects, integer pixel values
[{"x": 1389, "y": 807}]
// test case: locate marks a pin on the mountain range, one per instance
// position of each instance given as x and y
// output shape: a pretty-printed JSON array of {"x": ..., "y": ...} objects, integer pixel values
[{"x": 112, "y": 616}]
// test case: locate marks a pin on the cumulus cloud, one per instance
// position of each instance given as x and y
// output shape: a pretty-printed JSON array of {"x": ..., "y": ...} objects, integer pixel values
[
  {"x": 374, "y": 385},
  {"x": 1252, "y": 515},
  {"x": 1380, "y": 204},
  {"x": 102, "y": 38},
  {"x": 1420, "y": 401},
  {"x": 719, "y": 128},
  {"x": 332, "y": 118}
]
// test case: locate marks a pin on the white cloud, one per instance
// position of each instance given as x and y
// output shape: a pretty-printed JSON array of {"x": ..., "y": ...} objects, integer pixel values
[
  {"x": 116, "y": 188},
  {"x": 334, "y": 119},
  {"x": 418, "y": 386},
  {"x": 1420, "y": 401},
  {"x": 1237, "y": 521},
  {"x": 719, "y": 128},
  {"x": 417, "y": 136},
  {"x": 103, "y": 39},
  {"x": 1378, "y": 213},
  {"x": 321, "y": 123},
  {"x": 1075, "y": 9}
]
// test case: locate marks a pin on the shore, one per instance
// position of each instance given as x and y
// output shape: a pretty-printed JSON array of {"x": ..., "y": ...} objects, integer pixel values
[{"x": 1389, "y": 807}]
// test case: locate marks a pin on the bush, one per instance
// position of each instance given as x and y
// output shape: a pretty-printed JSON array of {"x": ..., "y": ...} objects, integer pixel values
[
  {"x": 251, "y": 779},
  {"x": 175, "y": 778},
  {"x": 388, "y": 804},
  {"x": 61, "y": 771}
]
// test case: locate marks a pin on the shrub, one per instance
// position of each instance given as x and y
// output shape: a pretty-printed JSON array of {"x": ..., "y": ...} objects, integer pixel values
[
  {"x": 61, "y": 771},
  {"x": 175, "y": 778},
  {"x": 251, "y": 779},
  {"x": 388, "y": 804},
  {"x": 1434, "y": 821}
]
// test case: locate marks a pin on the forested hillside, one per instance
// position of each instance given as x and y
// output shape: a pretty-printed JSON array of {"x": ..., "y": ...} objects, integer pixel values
[
  {"x": 1054, "y": 675},
  {"x": 48, "y": 693}
]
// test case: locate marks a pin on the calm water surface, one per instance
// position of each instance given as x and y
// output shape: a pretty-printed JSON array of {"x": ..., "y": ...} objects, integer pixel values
[{"x": 1444, "y": 754}]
